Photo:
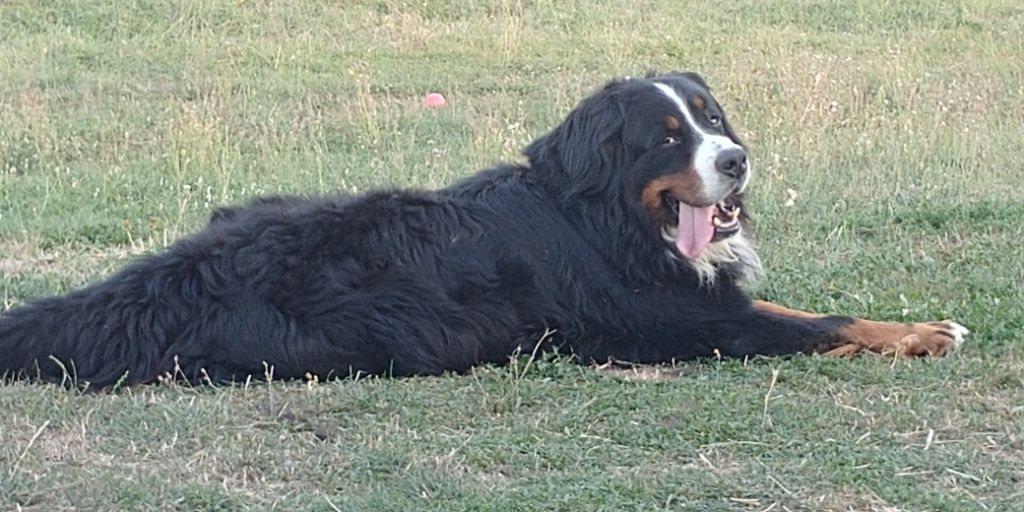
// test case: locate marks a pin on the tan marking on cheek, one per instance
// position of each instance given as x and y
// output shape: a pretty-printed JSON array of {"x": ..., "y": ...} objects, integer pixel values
[
  {"x": 698, "y": 102},
  {"x": 672, "y": 123},
  {"x": 685, "y": 185}
]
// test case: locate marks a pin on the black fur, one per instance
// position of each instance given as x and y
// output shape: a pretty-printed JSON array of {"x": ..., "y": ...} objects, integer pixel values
[{"x": 414, "y": 282}]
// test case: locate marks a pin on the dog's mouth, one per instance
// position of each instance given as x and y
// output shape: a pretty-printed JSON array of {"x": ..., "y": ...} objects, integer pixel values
[{"x": 694, "y": 227}]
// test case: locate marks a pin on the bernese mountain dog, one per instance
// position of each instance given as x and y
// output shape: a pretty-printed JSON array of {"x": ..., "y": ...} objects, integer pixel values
[{"x": 624, "y": 237}]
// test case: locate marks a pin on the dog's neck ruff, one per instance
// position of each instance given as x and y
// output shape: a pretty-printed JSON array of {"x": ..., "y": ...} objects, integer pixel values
[{"x": 735, "y": 255}]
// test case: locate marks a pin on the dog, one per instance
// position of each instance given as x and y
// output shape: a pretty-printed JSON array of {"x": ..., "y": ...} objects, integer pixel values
[{"x": 625, "y": 237}]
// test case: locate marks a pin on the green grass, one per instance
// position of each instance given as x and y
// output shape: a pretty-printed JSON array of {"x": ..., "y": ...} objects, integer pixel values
[{"x": 894, "y": 128}]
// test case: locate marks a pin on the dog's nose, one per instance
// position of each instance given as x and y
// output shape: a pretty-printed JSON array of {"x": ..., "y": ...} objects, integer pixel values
[{"x": 732, "y": 162}]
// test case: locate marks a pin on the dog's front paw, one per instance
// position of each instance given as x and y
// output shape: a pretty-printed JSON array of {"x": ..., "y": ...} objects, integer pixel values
[
  {"x": 902, "y": 340},
  {"x": 931, "y": 339}
]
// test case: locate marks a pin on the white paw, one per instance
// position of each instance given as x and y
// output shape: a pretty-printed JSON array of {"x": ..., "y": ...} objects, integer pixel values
[{"x": 959, "y": 333}]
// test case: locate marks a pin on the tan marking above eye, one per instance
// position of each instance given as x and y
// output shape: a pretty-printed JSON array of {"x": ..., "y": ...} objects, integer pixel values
[
  {"x": 698, "y": 102},
  {"x": 672, "y": 123}
]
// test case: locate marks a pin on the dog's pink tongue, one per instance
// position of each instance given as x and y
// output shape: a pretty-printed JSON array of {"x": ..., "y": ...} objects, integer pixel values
[{"x": 695, "y": 229}]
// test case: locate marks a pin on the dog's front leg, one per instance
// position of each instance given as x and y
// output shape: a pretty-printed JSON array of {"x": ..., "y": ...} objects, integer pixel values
[{"x": 901, "y": 339}]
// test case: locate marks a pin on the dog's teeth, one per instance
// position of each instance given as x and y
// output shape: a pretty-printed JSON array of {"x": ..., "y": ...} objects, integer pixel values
[{"x": 719, "y": 223}]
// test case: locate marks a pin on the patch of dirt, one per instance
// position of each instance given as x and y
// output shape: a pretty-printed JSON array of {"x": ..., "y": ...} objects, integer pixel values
[
  {"x": 634, "y": 371},
  {"x": 20, "y": 258}
]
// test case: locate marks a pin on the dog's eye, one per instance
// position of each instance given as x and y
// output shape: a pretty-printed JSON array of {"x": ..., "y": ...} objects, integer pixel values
[
  {"x": 670, "y": 140},
  {"x": 714, "y": 120}
]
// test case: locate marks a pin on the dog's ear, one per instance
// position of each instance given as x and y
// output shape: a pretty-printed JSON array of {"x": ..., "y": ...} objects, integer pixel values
[{"x": 586, "y": 149}]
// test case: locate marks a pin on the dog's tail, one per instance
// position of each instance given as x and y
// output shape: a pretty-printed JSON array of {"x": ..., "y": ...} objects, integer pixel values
[{"x": 104, "y": 334}]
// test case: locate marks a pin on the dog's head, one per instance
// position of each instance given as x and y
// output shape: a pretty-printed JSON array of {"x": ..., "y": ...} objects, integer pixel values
[{"x": 662, "y": 146}]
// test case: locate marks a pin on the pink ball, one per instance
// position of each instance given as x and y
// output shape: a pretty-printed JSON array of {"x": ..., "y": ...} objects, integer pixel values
[{"x": 434, "y": 100}]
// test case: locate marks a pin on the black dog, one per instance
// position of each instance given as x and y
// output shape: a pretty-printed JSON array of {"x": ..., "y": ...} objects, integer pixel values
[{"x": 624, "y": 237}]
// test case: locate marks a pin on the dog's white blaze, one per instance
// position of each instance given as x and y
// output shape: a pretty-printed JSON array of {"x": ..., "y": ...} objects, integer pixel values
[{"x": 717, "y": 186}]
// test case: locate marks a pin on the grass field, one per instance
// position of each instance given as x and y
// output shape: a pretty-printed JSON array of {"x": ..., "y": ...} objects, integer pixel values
[{"x": 886, "y": 138}]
